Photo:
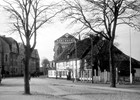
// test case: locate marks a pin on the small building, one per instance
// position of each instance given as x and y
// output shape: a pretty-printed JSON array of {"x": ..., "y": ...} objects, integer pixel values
[{"x": 52, "y": 69}]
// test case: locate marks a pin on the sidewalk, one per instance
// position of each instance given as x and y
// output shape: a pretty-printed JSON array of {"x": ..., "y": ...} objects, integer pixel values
[{"x": 119, "y": 87}]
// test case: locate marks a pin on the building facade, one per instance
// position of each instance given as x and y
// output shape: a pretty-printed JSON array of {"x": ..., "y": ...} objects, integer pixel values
[
  {"x": 75, "y": 62},
  {"x": 11, "y": 58},
  {"x": 61, "y": 43},
  {"x": 34, "y": 63},
  {"x": 52, "y": 69},
  {"x": 9, "y": 61}
]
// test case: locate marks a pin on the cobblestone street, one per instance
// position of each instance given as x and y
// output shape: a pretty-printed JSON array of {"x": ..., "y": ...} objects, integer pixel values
[{"x": 57, "y": 89}]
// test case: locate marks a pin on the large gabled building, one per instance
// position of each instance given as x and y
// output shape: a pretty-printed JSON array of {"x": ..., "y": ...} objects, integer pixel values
[
  {"x": 70, "y": 61},
  {"x": 61, "y": 43},
  {"x": 11, "y": 58},
  {"x": 75, "y": 61},
  {"x": 4, "y": 56}
]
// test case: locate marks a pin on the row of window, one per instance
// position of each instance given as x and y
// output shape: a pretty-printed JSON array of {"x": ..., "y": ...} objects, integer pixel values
[
  {"x": 62, "y": 73},
  {"x": 16, "y": 70},
  {"x": 65, "y": 40},
  {"x": 52, "y": 73}
]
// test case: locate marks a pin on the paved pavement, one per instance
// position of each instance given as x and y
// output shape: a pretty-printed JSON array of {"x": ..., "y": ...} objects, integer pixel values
[
  {"x": 12, "y": 89},
  {"x": 119, "y": 87},
  {"x": 127, "y": 87}
]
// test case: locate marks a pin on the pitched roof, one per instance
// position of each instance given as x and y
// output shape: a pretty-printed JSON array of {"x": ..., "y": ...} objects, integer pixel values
[
  {"x": 100, "y": 48},
  {"x": 10, "y": 41},
  {"x": 5, "y": 46},
  {"x": 75, "y": 50},
  {"x": 67, "y": 36},
  {"x": 63, "y": 55}
]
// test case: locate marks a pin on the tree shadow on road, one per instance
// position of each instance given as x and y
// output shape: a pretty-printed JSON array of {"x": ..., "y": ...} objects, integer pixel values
[{"x": 11, "y": 85}]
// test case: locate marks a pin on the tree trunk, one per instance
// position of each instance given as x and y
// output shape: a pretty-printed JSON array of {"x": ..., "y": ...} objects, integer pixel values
[
  {"x": 26, "y": 70},
  {"x": 111, "y": 65}
]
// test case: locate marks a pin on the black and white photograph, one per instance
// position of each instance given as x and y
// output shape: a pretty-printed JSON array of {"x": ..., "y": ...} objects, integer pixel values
[{"x": 69, "y": 49}]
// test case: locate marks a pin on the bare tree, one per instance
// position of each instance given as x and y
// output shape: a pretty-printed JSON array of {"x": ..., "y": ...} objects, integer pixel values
[
  {"x": 102, "y": 17},
  {"x": 27, "y": 16},
  {"x": 45, "y": 65}
]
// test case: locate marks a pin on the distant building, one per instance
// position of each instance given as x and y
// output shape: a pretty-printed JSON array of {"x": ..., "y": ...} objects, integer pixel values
[
  {"x": 52, "y": 69},
  {"x": 34, "y": 64},
  {"x": 20, "y": 59},
  {"x": 62, "y": 43},
  {"x": 4, "y": 56},
  {"x": 10, "y": 67},
  {"x": 49, "y": 69},
  {"x": 12, "y": 58}
]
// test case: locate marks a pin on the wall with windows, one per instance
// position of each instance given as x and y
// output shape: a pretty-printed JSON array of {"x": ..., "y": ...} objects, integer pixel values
[
  {"x": 64, "y": 41},
  {"x": 72, "y": 66},
  {"x": 52, "y": 73}
]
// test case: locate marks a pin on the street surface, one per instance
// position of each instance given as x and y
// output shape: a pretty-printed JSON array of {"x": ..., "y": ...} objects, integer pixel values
[{"x": 58, "y": 89}]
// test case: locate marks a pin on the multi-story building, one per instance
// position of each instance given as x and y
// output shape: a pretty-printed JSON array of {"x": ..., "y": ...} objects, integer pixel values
[
  {"x": 20, "y": 59},
  {"x": 61, "y": 43},
  {"x": 4, "y": 56},
  {"x": 34, "y": 61},
  {"x": 10, "y": 58},
  {"x": 12, "y": 55}
]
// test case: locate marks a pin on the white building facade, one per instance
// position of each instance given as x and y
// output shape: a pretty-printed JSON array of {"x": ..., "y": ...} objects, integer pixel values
[{"x": 70, "y": 67}]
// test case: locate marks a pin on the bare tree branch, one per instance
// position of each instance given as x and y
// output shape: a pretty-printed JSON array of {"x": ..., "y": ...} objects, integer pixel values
[
  {"x": 102, "y": 17},
  {"x": 27, "y": 16}
]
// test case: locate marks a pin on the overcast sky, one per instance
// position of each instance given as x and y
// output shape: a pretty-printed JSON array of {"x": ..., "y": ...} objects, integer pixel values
[{"x": 49, "y": 33}]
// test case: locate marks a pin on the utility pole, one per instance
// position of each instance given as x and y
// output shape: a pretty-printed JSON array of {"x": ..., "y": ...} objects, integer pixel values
[
  {"x": 75, "y": 60},
  {"x": 131, "y": 77},
  {"x": 92, "y": 58}
]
